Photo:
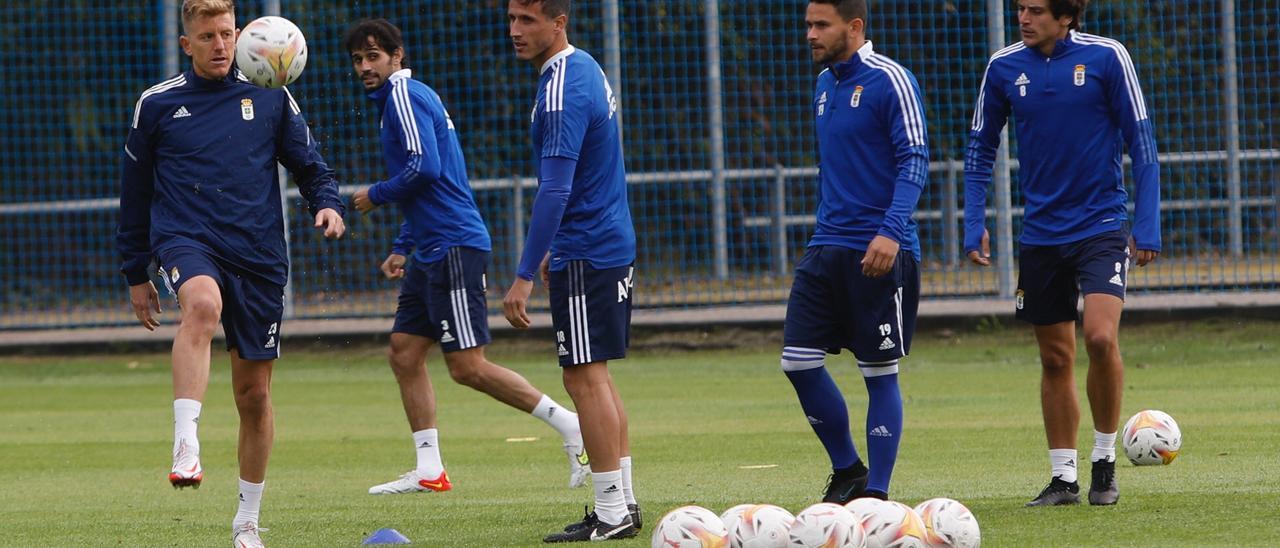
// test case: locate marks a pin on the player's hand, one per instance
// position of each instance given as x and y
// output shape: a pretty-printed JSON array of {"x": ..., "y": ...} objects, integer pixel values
[
  {"x": 545, "y": 272},
  {"x": 329, "y": 220},
  {"x": 362, "y": 202},
  {"x": 144, "y": 299},
  {"x": 983, "y": 258},
  {"x": 513, "y": 306},
  {"x": 1147, "y": 256},
  {"x": 878, "y": 260},
  {"x": 393, "y": 267}
]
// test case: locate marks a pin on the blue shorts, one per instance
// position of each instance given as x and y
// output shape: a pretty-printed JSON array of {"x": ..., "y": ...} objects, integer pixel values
[
  {"x": 252, "y": 306},
  {"x": 445, "y": 300},
  {"x": 591, "y": 312},
  {"x": 1052, "y": 278},
  {"x": 833, "y": 305}
]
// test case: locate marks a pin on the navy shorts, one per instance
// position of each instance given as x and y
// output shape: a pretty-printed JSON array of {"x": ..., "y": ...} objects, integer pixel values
[
  {"x": 1052, "y": 278},
  {"x": 252, "y": 306},
  {"x": 591, "y": 312},
  {"x": 833, "y": 305},
  {"x": 445, "y": 300}
]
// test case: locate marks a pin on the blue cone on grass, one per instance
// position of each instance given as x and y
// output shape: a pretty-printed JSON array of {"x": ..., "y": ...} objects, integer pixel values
[{"x": 386, "y": 536}]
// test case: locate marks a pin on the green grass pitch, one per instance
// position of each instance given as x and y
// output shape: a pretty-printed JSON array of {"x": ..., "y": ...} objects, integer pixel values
[{"x": 85, "y": 440}]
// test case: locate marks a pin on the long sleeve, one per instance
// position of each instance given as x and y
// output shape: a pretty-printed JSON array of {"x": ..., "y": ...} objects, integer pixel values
[
  {"x": 299, "y": 154},
  {"x": 989, "y": 117},
  {"x": 137, "y": 187},
  {"x": 417, "y": 136},
  {"x": 555, "y": 182},
  {"x": 1130, "y": 109},
  {"x": 403, "y": 244},
  {"x": 907, "y": 130}
]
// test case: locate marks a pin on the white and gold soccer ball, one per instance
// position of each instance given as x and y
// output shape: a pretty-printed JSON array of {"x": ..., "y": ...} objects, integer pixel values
[
  {"x": 949, "y": 523},
  {"x": 1151, "y": 437},
  {"x": 889, "y": 524},
  {"x": 690, "y": 527},
  {"x": 761, "y": 526},
  {"x": 826, "y": 525},
  {"x": 271, "y": 52}
]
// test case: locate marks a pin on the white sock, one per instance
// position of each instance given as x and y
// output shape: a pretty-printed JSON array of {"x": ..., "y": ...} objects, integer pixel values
[
  {"x": 1064, "y": 464},
  {"x": 1104, "y": 447},
  {"x": 250, "y": 501},
  {"x": 186, "y": 420},
  {"x": 427, "y": 443},
  {"x": 627, "y": 492},
  {"x": 563, "y": 420},
  {"x": 611, "y": 506}
]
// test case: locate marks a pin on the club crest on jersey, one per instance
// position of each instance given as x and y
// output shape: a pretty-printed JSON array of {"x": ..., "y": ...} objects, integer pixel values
[
  {"x": 246, "y": 108},
  {"x": 857, "y": 97},
  {"x": 822, "y": 104},
  {"x": 1079, "y": 76},
  {"x": 1018, "y": 299}
]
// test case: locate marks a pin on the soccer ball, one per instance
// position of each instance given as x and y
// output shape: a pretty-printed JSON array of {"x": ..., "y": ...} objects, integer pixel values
[
  {"x": 690, "y": 527},
  {"x": 889, "y": 524},
  {"x": 761, "y": 526},
  {"x": 731, "y": 516},
  {"x": 826, "y": 525},
  {"x": 271, "y": 52},
  {"x": 949, "y": 523},
  {"x": 1151, "y": 437}
]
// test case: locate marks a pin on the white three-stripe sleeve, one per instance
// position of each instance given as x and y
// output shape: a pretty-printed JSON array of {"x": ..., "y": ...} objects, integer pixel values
[
  {"x": 402, "y": 106},
  {"x": 1128, "y": 76},
  {"x": 908, "y": 99}
]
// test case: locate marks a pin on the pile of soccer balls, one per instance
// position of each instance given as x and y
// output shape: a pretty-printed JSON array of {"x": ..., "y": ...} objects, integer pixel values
[
  {"x": 1149, "y": 437},
  {"x": 865, "y": 522}
]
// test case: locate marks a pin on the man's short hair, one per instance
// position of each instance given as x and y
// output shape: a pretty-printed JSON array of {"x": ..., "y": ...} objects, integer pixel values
[
  {"x": 384, "y": 34},
  {"x": 193, "y": 9},
  {"x": 848, "y": 9},
  {"x": 552, "y": 8},
  {"x": 1069, "y": 8}
]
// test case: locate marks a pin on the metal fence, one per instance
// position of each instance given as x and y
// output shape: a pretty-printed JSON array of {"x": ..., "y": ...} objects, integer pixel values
[{"x": 717, "y": 129}]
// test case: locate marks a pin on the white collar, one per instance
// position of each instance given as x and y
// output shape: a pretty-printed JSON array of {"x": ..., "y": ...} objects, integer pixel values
[
  {"x": 558, "y": 56},
  {"x": 866, "y": 50},
  {"x": 400, "y": 75}
]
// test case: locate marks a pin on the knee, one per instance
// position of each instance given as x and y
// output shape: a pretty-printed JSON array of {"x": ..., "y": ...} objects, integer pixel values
[
  {"x": 466, "y": 372},
  {"x": 202, "y": 311},
  {"x": 253, "y": 399},
  {"x": 1057, "y": 360},
  {"x": 404, "y": 360},
  {"x": 1100, "y": 342}
]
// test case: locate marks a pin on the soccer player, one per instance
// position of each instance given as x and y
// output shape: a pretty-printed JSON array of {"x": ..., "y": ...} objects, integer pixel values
[
  {"x": 1073, "y": 96},
  {"x": 199, "y": 191},
  {"x": 857, "y": 286},
  {"x": 580, "y": 216},
  {"x": 442, "y": 295}
]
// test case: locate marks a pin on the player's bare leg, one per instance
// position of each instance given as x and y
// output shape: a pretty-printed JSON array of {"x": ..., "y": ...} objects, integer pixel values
[
  {"x": 251, "y": 385},
  {"x": 594, "y": 396},
  {"x": 408, "y": 358},
  {"x": 1061, "y": 409},
  {"x": 624, "y": 440},
  {"x": 1105, "y": 387},
  {"x": 201, "y": 303}
]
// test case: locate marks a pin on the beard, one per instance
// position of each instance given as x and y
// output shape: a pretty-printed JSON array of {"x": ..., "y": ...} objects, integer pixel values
[{"x": 831, "y": 53}]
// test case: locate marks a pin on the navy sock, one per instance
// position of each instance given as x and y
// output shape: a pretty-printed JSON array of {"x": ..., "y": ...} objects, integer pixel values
[
  {"x": 824, "y": 406},
  {"x": 884, "y": 429}
]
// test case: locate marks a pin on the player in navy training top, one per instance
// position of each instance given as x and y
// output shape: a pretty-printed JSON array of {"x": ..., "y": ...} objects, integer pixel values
[
  {"x": 199, "y": 191},
  {"x": 442, "y": 295},
  {"x": 1074, "y": 98},
  {"x": 581, "y": 239},
  {"x": 857, "y": 286}
]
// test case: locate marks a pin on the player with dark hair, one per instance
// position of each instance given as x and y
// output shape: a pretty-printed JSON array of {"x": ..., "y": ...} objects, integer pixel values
[
  {"x": 857, "y": 286},
  {"x": 1074, "y": 98},
  {"x": 200, "y": 193},
  {"x": 582, "y": 241},
  {"x": 442, "y": 295}
]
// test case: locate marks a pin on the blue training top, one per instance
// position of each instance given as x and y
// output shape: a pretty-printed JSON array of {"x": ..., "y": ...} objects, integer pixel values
[
  {"x": 199, "y": 170},
  {"x": 873, "y": 152},
  {"x": 573, "y": 119},
  {"x": 1070, "y": 110},
  {"x": 429, "y": 175}
]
